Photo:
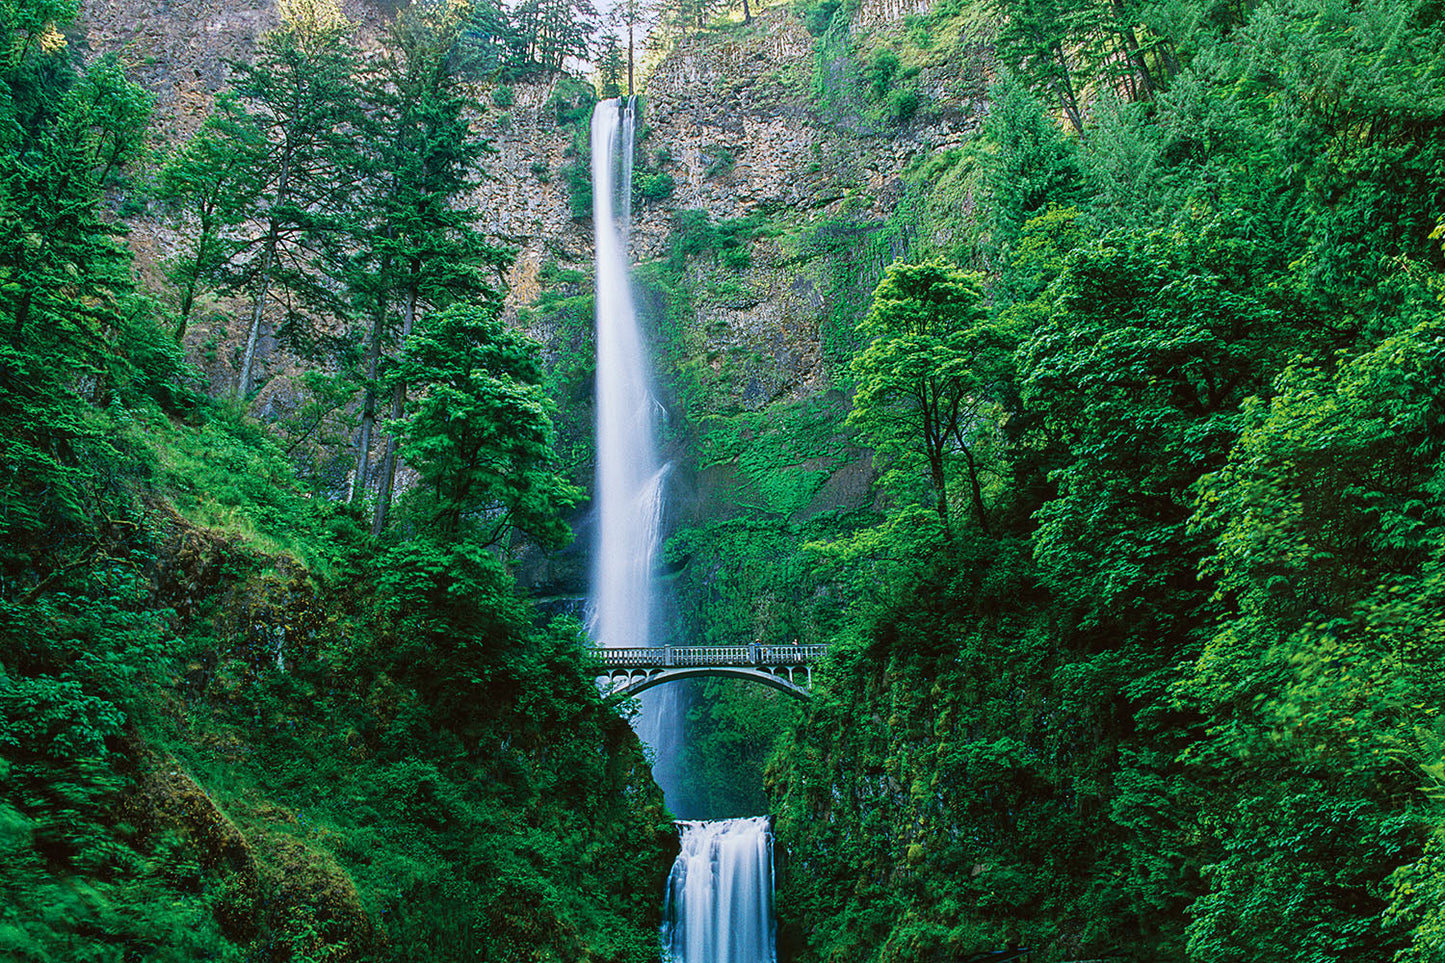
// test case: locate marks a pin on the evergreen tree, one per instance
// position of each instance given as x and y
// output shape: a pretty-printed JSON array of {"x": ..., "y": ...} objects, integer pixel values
[
  {"x": 211, "y": 187},
  {"x": 481, "y": 436},
  {"x": 632, "y": 18},
  {"x": 420, "y": 249},
  {"x": 64, "y": 138},
  {"x": 1033, "y": 165},
  {"x": 552, "y": 32},
  {"x": 609, "y": 66},
  {"x": 290, "y": 128}
]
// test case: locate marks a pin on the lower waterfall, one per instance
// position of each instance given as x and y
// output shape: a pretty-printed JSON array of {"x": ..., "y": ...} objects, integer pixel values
[{"x": 720, "y": 894}]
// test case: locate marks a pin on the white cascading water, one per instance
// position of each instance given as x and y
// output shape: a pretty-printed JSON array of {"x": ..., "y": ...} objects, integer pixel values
[
  {"x": 629, "y": 478},
  {"x": 720, "y": 894}
]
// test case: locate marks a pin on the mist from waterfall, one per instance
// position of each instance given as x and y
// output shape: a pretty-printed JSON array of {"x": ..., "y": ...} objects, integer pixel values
[
  {"x": 630, "y": 479},
  {"x": 720, "y": 894}
]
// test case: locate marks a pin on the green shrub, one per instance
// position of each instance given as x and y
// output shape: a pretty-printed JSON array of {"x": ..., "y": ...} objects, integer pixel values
[
  {"x": 817, "y": 17},
  {"x": 578, "y": 178},
  {"x": 880, "y": 71},
  {"x": 721, "y": 162},
  {"x": 903, "y": 104},
  {"x": 655, "y": 186}
]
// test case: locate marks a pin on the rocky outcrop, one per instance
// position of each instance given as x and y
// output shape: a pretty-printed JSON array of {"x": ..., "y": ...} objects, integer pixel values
[
  {"x": 167, "y": 798},
  {"x": 180, "y": 50}
]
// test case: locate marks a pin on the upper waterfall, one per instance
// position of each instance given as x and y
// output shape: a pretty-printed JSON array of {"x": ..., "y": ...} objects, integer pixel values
[{"x": 629, "y": 477}]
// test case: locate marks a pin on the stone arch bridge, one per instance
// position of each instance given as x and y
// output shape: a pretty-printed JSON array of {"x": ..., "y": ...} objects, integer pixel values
[{"x": 626, "y": 672}]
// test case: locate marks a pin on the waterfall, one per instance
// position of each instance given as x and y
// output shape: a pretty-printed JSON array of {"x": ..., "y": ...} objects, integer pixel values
[
  {"x": 630, "y": 480},
  {"x": 720, "y": 894},
  {"x": 720, "y": 891}
]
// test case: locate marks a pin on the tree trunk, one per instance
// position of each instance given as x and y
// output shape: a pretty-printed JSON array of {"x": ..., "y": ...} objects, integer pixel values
[
  {"x": 398, "y": 404},
  {"x": 978, "y": 510},
  {"x": 243, "y": 384},
  {"x": 188, "y": 299},
  {"x": 22, "y": 314},
  {"x": 368, "y": 415},
  {"x": 747, "y": 13},
  {"x": 1131, "y": 48},
  {"x": 268, "y": 258},
  {"x": 934, "y": 440},
  {"x": 629, "y": 60},
  {"x": 1068, "y": 98},
  {"x": 935, "y": 465}
]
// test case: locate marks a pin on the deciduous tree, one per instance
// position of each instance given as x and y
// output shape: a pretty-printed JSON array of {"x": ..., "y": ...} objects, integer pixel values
[{"x": 931, "y": 371}]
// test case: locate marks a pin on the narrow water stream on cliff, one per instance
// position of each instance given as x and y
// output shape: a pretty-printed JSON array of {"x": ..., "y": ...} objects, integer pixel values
[{"x": 719, "y": 894}]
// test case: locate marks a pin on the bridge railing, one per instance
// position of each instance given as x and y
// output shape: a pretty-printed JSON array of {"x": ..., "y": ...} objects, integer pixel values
[{"x": 677, "y": 656}]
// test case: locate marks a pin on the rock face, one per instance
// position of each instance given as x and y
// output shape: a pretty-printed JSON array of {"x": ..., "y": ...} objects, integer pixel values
[
  {"x": 733, "y": 118},
  {"x": 736, "y": 124},
  {"x": 179, "y": 49}
]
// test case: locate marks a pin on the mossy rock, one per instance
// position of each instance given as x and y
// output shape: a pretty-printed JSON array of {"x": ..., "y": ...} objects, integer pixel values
[
  {"x": 313, "y": 910},
  {"x": 167, "y": 798}
]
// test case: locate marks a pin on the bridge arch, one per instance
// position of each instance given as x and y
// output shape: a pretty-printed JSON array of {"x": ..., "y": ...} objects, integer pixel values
[{"x": 627, "y": 672}]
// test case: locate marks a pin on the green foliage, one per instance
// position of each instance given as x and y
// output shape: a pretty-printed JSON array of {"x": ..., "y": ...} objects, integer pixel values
[
  {"x": 655, "y": 186},
  {"x": 1033, "y": 166},
  {"x": 282, "y": 146},
  {"x": 881, "y": 72},
  {"x": 571, "y": 102},
  {"x": 565, "y": 309},
  {"x": 695, "y": 234},
  {"x": 818, "y": 16},
  {"x": 72, "y": 665},
  {"x": 232, "y": 727},
  {"x": 927, "y": 380},
  {"x": 903, "y": 104},
  {"x": 577, "y": 176},
  {"x": 1183, "y": 705},
  {"x": 481, "y": 436}
]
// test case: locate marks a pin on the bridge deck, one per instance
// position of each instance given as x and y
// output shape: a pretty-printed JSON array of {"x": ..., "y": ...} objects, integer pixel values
[{"x": 686, "y": 656}]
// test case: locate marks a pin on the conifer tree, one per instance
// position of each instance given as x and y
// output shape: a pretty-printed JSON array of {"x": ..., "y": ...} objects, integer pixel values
[
  {"x": 632, "y": 17},
  {"x": 609, "y": 66},
  {"x": 61, "y": 267},
  {"x": 209, "y": 184},
  {"x": 290, "y": 127},
  {"x": 481, "y": 436},
  {"x": 421, "y": 250},
  {"x": 554, "y": 31}
]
